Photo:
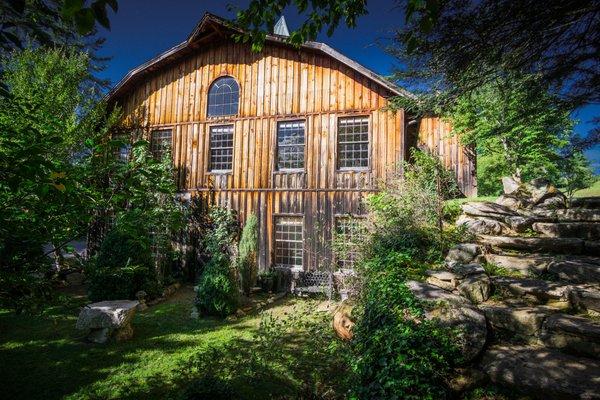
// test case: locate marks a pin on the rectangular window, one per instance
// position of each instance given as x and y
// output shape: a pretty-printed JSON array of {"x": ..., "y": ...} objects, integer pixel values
[
  {"x": 160, "y": 142},
  {"x": 348, "y": 236},
  {"x": 221, "y": 148},
  {"x": 290, "y": 145},
  {"x": 288, "y": 242},
  {"x": 353, "y": 142}
]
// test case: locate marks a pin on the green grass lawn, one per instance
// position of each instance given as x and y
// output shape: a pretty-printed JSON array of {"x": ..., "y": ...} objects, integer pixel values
[{"x": 45, "y": 357}]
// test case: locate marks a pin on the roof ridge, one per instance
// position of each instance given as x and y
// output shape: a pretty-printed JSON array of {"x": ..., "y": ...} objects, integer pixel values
[{"x": 208, "y": 17}]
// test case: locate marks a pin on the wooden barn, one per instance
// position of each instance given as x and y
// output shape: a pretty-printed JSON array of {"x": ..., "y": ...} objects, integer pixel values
[{"x": 297, "y": 136}]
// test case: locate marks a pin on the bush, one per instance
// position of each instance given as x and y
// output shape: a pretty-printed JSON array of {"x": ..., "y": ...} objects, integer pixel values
[
  {"x": 217, "y": 290},
  {"x": 397, "y": 353},
  {"x": 123, "y": 267},
  {"x": 246, "y": 262},
  {"x": 121, "y": 283},
  {"x": 120, "y": 249}
]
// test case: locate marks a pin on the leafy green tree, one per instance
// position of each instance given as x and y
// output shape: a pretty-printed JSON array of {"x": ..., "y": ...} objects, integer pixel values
[
  {"x": 41, "y": 196},
  {"x": 517, "y": 127},
  {"x": 576, "y": 173}
]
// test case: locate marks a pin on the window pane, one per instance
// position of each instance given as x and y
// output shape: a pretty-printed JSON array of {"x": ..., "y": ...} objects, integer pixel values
[
  {"x": 288, "y": 242},
  {"x": 221, "y": 148},
  {"x": 348, "y": 236},
  {"x": 353, "y": 142},
  {"x": 160, "y": 142},
  {"x": 223, "y": 97},
  {"x": 290, "y": 145}
]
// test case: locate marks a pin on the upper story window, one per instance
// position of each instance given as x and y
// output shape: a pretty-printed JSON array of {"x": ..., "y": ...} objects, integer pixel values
[
  {"x": 353, "y": 143},
  {"x": 160, "y": 142},
  {"x": 290, "y": 145},
  {"x": 221, "y": 148},
  {"x": 223, "y": 97}
]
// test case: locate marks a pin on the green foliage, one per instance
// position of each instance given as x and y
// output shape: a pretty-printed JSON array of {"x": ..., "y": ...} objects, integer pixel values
[
  {"x": 576, "y": 173},
  {"x": 123, "y": 267},
  {"x": 121, "y": 283},
  {"x": 122, "y": 248},
  {"x": 408, "y": 213},
  {"x": 260, "y": 16},
  {"x": 247, "y": 264},
  {"x": 517, "y": 122},
  {"x": 40, "y": 191},
  {"x": 218, "y": 292},
  {"x": 397, "y": 353}
]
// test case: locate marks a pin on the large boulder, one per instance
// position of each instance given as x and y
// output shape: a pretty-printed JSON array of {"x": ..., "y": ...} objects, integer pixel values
[
  {"x": 454, "y": 312},
  {"x": 482, "y": 225},
  {"x": 511, "y": 185},
  {"x": 541, "y": 189},
  {"x": 543, "y": 373},
  {"x": 476, "y": 288},
  {"x": 587, "y": 298},
  {"x": 463, "y": 253},
  {"x": 107, "y": 320}
]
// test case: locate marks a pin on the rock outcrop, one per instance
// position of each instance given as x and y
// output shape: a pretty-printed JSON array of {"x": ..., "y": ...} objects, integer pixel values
[{"x": 533, "y": 273}]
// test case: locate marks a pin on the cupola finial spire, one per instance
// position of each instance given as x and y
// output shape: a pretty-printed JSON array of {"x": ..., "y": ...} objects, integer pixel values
[{"x": 281, "y": 28}]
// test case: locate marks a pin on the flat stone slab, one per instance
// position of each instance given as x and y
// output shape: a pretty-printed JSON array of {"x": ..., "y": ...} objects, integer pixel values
[
  {"x": 586, "y": 202},
  {"x": 541, "y": 290},
  {"x": 546, "y": 373},
  {"x": 587, "y": 297},
  {"x": 487, "y": 209},
  {"x": 106, "y": 314},
  {"x": 570, "y": 214},
  {"x": 521, "y": 320},
  {"x": 458, "y": 314},
  {"x": 575, "y": 271},
  {"x": 581, "y": 230},
  {"x": 572, "y": 334},
  {"x": 535, "y": 244},
  {"x": 464, "y": 270},
  {"x": 107, "y": 320},
  {"x": 442, "y": 279},
  {"x": 428, "y": 292},
  {"x": 523, "y": 264}
]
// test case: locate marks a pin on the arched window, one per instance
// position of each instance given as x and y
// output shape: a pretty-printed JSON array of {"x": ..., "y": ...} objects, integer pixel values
[{"x": 223, "y": 97}]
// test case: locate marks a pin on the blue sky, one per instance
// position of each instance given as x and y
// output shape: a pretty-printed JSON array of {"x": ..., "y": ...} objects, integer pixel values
[{"x": 144, "y": 28}]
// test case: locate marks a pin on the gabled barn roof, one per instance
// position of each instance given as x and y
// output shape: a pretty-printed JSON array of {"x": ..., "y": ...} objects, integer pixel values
[{"x": 212, "y": 26}]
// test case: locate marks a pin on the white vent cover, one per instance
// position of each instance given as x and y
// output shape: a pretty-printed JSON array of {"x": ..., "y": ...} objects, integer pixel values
[{"x": 281, "y": 28}]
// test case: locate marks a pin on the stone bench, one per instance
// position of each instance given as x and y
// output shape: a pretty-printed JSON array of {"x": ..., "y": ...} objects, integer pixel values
[{"x": 107, "y": 320}]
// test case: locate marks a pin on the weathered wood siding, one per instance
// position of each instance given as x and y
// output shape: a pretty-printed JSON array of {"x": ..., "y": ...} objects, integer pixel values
[
  {"x": 279, "y": 84},
  {"x": 435, "y": 135}
]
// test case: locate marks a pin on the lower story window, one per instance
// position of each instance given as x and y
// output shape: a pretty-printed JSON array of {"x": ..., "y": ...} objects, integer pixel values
[
  {"x": 348, "y": 234},
  {"x": 288, "y": 242}
]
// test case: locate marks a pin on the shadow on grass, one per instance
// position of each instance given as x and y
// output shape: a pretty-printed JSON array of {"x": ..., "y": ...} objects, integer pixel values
[{"x": 44, "y": 357}]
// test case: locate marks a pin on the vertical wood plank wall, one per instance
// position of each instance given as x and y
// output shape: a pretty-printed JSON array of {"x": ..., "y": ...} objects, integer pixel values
[
  {"x": 435, "y": 135},
  {"x": 276, "y": 85}
]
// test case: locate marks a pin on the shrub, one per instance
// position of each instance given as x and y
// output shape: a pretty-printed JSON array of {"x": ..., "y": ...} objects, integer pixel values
[
  {"x": 217, "y": 290},
  {"x": 246, "y": 262},
  {"x": 121, "y": 283},
  {"x": 123, "y": 266},
  {"x": 396, "y": 352},
  {"x": 121, "y": 248}
]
